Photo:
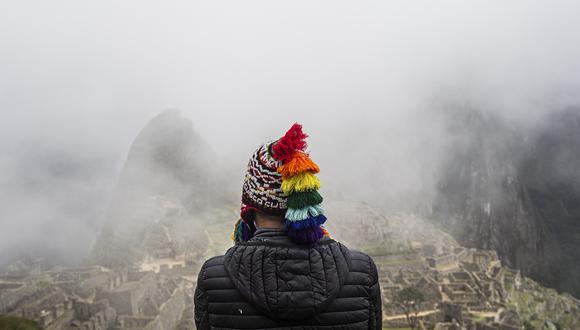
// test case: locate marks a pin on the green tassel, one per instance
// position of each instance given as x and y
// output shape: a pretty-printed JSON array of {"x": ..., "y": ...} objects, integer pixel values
[
  {"x": 300, "y": 200},
  {"x": 238, "y": 232}
]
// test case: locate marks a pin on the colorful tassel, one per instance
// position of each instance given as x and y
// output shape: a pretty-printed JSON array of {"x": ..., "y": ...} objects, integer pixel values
[
  {"x": 247, "y": 212},
  {"x": 237, "y": 232},
  {"x": 242, "y": 231},
  {"x": 304, "y": 213},
  {"x": 298, "y": 200},
  {"x": 300, "y": 162},
  {"x": 312, "y": 222},
  {"x": 301, "y": 182},
  {"x": 291, "y": 142}
]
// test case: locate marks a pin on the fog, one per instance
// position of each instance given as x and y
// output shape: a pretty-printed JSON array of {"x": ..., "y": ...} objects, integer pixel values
[{"x": 78, "y": 80}]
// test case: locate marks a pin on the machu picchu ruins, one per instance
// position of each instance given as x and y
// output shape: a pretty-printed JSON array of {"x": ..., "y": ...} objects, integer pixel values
[
  {"x": 97, "y": 298},
  {"x": 143, "y": 268},
  {"x": 463, "y": 288}
]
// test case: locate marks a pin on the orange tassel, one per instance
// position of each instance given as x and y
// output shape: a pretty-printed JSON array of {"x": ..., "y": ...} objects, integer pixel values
[{"x": 299, "y": 163}]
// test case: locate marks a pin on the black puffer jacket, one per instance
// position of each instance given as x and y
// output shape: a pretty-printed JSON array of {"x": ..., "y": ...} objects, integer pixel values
[{"x": 270, "y": 282}]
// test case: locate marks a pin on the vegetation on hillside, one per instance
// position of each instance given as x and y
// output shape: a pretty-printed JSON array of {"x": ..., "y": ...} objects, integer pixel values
[{"x": 8, "y": 322}]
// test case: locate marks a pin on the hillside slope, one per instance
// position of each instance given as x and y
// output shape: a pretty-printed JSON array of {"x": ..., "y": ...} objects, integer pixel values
[
  {"x": 516, "y": 191},
  {"x": 170, "y": 179}
]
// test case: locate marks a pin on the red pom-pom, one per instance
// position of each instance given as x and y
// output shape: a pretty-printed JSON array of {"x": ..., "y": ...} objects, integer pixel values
[{"x": 293, "y": 140}]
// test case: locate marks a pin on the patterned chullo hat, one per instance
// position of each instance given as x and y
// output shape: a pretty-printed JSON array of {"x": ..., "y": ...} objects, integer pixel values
[{"x": 281, "y": 180}]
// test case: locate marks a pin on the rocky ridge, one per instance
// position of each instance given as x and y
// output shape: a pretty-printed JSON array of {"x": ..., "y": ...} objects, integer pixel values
[{"x": 516, "y": 191}]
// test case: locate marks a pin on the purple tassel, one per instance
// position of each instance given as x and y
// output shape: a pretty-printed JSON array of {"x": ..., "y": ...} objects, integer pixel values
[
  {"x": 306, "y": 236},
  {"x": 243, "y": 231},
  {"x": 248, "y": 230}
]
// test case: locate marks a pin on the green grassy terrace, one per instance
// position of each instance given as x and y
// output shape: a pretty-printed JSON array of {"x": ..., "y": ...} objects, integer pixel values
[{"x": 8, "y": 322}]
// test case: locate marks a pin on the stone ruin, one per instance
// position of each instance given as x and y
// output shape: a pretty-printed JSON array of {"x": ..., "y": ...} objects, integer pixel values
[
  {"x": 96, "y": 298},
  {"x": 463, "y": 289}
]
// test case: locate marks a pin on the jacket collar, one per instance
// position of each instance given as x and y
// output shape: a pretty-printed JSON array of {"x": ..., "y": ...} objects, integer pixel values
[
  {"x": 278, "y": 236},
  {"x": 270, "y": 233}
]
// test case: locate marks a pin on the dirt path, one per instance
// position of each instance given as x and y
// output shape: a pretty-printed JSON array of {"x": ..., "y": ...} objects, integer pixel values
[{"x": 402, "y": 316}]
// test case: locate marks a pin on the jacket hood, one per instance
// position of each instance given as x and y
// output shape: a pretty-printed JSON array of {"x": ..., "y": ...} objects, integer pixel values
[{"x": 284, "y": 280}]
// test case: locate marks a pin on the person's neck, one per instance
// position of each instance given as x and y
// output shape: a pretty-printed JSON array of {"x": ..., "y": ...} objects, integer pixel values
[
  {"x": 264, "y": 221},
  {"x": 270, "y": 225}
]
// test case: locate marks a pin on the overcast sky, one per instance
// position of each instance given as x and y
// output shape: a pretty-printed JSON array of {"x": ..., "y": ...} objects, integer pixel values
[{"x": 79, "y": 79}]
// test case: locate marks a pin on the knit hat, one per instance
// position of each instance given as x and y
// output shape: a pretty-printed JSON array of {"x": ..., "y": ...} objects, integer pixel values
[{"x": 281, "y": 180}]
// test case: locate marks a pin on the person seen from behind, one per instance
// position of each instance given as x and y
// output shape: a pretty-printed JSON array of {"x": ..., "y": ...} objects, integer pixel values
[{"x": 284, "y": 271}]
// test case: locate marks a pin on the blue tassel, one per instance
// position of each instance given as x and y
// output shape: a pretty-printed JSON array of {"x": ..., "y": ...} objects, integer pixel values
[
  {"x": 304, "y": 213},
  {"x": 312, "y": 222}
]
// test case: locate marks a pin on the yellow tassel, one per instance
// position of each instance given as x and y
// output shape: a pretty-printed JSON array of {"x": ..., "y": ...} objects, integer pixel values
[
  {"x": 233, "y": 237},
  {"x": 302, "y": 182}
]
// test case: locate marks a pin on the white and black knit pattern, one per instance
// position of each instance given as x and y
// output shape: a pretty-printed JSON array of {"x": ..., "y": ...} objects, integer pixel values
[{"x": 262, "y": 183}]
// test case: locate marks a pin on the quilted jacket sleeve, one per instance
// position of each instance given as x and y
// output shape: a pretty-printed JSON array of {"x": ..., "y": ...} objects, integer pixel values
[
  {"x": 376, "y": 301},
  {"x": 201, "y": 306}
]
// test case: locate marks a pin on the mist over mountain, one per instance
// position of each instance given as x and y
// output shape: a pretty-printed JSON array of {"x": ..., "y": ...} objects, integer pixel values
[
  {"x": 169, "y": 158},
  {"x": 552, "y": 178},
  {"x": 170, "y": 178},
  {"x": 514, "y": 189},
  {"x": 53, "y": 199}
]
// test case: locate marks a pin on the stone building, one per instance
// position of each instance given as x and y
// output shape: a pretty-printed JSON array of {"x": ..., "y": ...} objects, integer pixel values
[{"x": 95, "y": 298}]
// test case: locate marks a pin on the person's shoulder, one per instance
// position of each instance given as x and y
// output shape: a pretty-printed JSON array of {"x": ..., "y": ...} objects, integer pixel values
[
  {"x": 213, "y": 266},
  {"x": 359, "y": 255},
  {"x": 362, "y": 263},
  {"x": 356, "y": 255},
  {"x": 212, "y": 262}
]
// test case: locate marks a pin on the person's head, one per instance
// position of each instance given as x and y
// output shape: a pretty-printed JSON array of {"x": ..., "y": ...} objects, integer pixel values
[{"x": 281, "y": 191}]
